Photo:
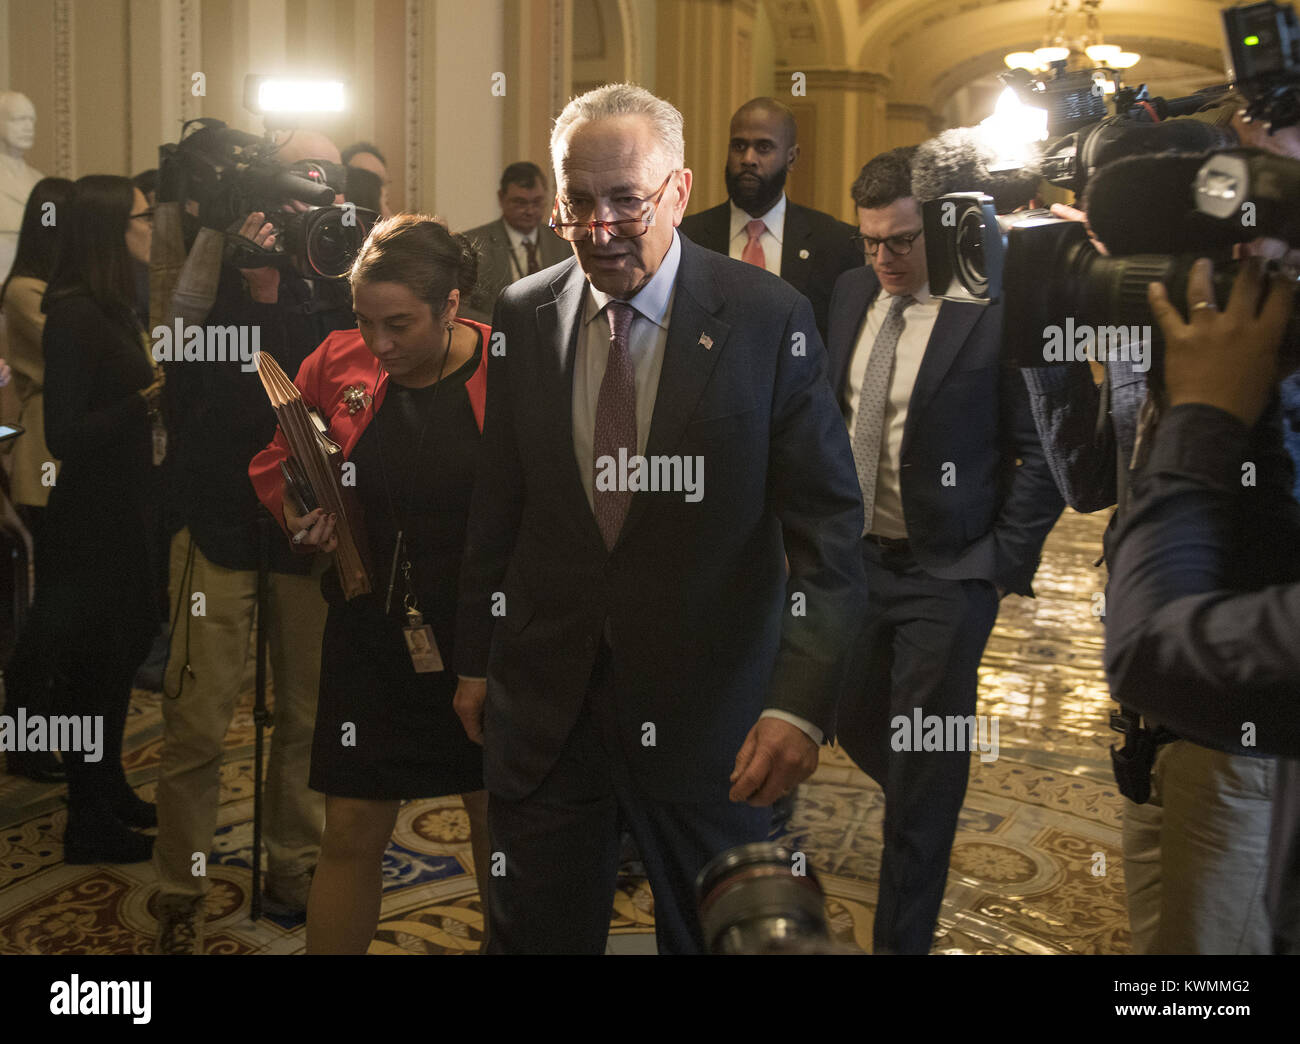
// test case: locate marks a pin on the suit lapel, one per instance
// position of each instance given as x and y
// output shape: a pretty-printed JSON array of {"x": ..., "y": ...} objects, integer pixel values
[
  {"x": 953, "y": 325},
  {"x": 557, "y": 330},
  {"x": 796, "y": 237},
  {"x": 688, "y": 363}
]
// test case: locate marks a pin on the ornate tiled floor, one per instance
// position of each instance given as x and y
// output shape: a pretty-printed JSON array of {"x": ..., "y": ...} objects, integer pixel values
[{"x": 1035, "y": 868}]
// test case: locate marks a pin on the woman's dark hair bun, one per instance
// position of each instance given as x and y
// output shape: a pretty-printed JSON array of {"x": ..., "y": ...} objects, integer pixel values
[{"x": 467, "y": 270}]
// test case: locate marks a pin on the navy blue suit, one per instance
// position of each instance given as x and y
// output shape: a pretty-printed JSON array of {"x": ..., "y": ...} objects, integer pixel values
[
  {"x": 933, "y": 599},
  {"x": 686, "y": 625}
]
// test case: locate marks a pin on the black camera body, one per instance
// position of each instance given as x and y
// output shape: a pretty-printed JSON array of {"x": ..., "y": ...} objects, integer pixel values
[
  {"x": 231, "y": 174},
  {"x": 1263, "y": 45}
]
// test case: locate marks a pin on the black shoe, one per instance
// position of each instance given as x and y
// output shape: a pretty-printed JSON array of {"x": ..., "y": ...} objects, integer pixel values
[
  {"x": 136, "y": 812},
  {"x": 109, "y": 842},
  {"x": 40, "y": 765}
]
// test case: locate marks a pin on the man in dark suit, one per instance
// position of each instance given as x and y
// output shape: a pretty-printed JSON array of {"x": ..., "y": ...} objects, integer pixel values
[
  {"x": 648, "y": 657},
  {"x": 957, "y": 500},
  {"x": 806, "y": 248},
  {"x": 518, "y": 243}
]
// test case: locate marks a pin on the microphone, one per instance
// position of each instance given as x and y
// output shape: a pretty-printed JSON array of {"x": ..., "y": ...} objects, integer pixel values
[
  {"x": 963, "y": 160},
  {"x": 1147, "y": 205}
]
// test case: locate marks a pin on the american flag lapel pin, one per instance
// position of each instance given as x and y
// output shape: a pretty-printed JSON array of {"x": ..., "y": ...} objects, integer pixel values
[{"x": 707, "y": 341}]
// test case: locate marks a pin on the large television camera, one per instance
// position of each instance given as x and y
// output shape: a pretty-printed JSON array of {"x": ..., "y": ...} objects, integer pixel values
[
  {"x": 231, "y": 174},
  {"x": 1156, "y": 211}
]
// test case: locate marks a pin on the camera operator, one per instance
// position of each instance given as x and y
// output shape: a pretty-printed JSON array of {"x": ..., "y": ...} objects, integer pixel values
[
  {"x": 219, "y": 419},
  {"x": 1196, "y": 815},
  {"x": 1202, "y": 622}
]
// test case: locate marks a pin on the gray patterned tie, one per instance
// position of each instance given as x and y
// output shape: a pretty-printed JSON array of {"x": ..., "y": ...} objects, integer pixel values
[
  {"x": 615, "y": 421},
  {"x": 869, "y": 419}
]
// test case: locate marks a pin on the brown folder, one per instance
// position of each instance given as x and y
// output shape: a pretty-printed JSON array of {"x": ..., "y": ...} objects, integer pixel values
[{"x": 321, "y": 462}]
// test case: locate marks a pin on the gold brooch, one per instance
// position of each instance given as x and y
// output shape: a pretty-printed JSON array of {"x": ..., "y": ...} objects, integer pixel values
[{"x": 356, "y": 398}]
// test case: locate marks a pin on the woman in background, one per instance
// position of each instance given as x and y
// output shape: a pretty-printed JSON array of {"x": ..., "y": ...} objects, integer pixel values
[
  {"x": 34, "y": 467},
  {"x": 95, "y": 603}
]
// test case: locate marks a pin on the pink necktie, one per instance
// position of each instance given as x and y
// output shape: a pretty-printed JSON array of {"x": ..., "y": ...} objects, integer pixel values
[
  {"x": 615, "y": 421},
  {"x": 753, "y": 252}
]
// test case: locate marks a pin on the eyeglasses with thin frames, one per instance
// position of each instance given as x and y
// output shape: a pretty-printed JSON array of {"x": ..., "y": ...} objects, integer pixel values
[
  {"x": 899, "y": 246},
  {"x": 619, "y": 228}
]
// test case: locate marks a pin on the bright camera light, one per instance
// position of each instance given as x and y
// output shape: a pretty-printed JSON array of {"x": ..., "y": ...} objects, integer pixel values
[
  {"x": 271, "y": 95},
  {"x": 1012, "y": 130},
  {"x": 1022, "y": 60}
]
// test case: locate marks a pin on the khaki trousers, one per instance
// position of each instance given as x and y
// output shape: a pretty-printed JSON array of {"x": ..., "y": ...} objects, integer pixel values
[
  {"x": 199, "y": 704},
  {"x": 1196, "y": 854}
]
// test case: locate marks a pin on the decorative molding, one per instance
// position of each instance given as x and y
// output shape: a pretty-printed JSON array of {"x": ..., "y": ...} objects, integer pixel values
[
  {"x": 840, "y": 80},
  {"x": 413, "y": 84},
  {"x": 909, "y": 111},
  {"x": 631, "y": 41},
  {"x": 559, "y": 44},
  {"x": 188, "y": 19},
  {"x": 65, "y": 136}
]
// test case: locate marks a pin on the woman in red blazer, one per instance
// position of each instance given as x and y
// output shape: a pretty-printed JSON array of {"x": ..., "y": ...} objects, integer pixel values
[{"x": 403, "y": 395}]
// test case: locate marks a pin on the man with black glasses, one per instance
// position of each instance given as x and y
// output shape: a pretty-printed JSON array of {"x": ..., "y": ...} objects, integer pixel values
[{"x": 957, "y": 500}]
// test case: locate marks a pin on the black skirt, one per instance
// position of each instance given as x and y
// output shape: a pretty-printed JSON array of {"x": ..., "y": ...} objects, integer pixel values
[{"x": 384, "y": 732}]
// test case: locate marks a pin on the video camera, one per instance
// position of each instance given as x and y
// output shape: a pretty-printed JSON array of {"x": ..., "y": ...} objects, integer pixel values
[
  {"x": 1156, "y": 210},
  {"x": 231, "y": 174}
]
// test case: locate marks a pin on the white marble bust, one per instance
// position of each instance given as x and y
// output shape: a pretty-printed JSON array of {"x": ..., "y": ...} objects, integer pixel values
[{"x": 17, "y": 134}]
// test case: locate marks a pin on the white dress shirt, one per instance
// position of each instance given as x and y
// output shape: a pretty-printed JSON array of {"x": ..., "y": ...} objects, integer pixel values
[
  {"x": 918, "y": 322},
  {"x": 517, "y": 251},
  {"x": 647, "y": 341},
  {"x": 770, "y": 240}
]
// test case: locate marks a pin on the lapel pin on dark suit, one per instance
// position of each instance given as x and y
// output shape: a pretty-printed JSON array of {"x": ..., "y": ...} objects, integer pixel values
[
  {"x": 803, "y": 254},
  {"x": 707, "y": 341}
]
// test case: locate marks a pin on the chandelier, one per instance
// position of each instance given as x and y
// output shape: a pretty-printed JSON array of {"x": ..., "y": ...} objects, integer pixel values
[{"x": 1080, "y": 50}]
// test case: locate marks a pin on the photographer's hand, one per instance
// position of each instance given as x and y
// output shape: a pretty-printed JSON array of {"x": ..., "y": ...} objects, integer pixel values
[
  {"x": 1069, "y": 213},
  {"x": 263, "y": 283},
  {"x": 1228, "y": 360}
]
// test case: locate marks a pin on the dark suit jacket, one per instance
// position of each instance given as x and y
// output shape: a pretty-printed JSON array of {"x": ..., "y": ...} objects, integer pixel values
[
  {"x": 706, "y": 630},
  {"x": 825, "y": 242},
  {"x": 970, "y": 410},
  {"x": 495, "y": 269}
]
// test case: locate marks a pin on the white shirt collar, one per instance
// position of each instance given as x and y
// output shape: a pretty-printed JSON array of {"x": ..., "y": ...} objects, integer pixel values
[
  {"x": 517, "y": 238},
  {"x": 653, "y": 299},
  {"x": 774, "y": 219},
  {"x": 922, "y": 295}
]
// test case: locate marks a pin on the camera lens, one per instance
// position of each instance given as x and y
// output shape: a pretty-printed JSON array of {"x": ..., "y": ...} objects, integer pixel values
[
  {"x": 969, "y": 261},
  {"x": 752, "y": 900},
  {"x": 330, "y": 246}
]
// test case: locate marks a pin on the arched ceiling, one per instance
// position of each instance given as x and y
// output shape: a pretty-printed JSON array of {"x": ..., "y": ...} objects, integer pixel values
[{"x": 931, "y": 49}]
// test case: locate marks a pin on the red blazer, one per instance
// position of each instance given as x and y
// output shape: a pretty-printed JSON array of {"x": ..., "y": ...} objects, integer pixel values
[{"x": 343, "y": 361}]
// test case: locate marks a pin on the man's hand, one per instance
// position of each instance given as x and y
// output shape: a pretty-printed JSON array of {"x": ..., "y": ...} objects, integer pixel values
[
  {"x": 263, "y": 283},
  {"x": 471, "y": 695},
  {"x": 774, "y": 759},
  {"x": 1228, "y": 360}
]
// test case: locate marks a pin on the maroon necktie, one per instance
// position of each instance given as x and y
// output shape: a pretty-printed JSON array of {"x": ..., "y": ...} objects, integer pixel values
[{"x": 615, "y": 422}]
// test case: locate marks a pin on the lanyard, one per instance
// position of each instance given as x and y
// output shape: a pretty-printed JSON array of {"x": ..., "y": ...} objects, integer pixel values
[{"x": 399, "y": 521}]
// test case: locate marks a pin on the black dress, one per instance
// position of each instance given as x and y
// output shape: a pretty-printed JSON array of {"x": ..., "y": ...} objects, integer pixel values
[{"x": 417, "y": 460}]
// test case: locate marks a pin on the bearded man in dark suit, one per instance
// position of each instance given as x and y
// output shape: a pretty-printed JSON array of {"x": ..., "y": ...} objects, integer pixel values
[
  {"x": 805, "y": 247},
  {"x": 660, "y": 437}
]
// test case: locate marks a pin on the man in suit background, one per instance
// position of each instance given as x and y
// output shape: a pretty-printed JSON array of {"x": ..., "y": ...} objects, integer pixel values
[
  {"x": 957, "y": 500},
  {"x": 516, "y": 244},
  {"x": 805, "y": 247},
  {"x": 648, "y": 658}
]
